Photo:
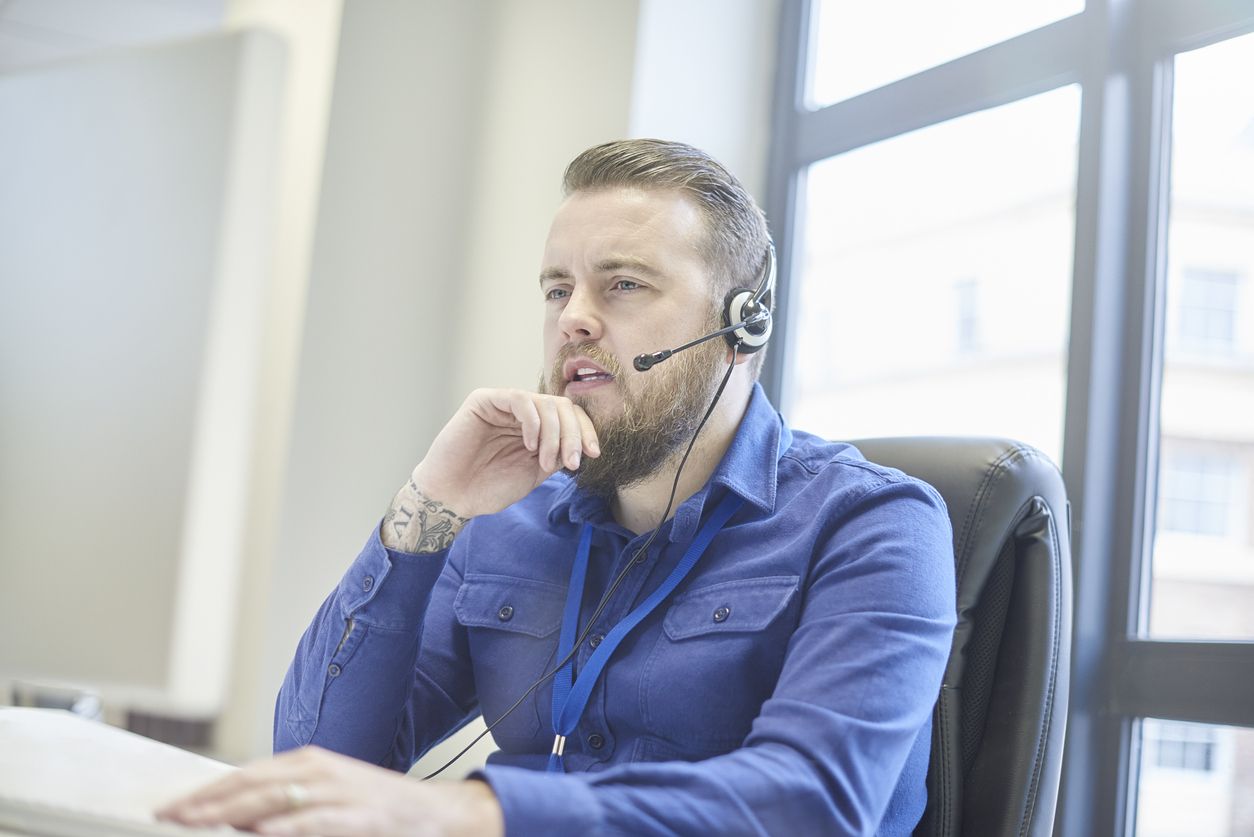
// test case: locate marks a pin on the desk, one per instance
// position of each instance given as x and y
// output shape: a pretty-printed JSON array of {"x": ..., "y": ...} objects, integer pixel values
[{"x": 64, "y": 776}]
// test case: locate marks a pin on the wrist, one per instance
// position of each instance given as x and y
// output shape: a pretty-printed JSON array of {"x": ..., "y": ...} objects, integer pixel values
[
  {"x": 419, "y": 523},
  {"x": 430, "y": 490},
  {"x": 483, "y": 811}
]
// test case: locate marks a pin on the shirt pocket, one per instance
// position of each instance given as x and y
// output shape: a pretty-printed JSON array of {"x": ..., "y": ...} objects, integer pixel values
[
  {"x": 512, "y": 628},
  {"x": 716, "y": 661}
]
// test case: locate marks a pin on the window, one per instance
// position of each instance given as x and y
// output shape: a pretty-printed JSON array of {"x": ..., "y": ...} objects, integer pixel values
[
  {"x": 1207, "y": 318},
  {"x": 1201, "y": 563},
  {"x": 861, "y": 46},
  {"x": 967, "y": 316},
  {"x": 1197, "y": 493},
  {"x": 1194, "y": 780},
  {"x": 953, "y": 260},
  {"x": 884, "y": 229}
]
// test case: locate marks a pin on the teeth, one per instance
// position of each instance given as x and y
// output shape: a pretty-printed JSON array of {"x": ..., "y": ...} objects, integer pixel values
[{"x": 584, "y": 370}]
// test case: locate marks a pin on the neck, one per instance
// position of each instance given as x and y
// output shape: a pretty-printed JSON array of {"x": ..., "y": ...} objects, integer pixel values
[{"x": 639, "y": 507}]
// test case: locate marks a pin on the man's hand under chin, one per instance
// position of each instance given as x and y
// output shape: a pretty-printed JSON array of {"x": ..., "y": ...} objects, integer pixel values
[
  {"x": 314, "y": 791},
  {"x": 497, "y": 447}
]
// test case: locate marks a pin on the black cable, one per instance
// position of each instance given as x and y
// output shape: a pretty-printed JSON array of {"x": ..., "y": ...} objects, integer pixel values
[{"x": 635, "y": 559}]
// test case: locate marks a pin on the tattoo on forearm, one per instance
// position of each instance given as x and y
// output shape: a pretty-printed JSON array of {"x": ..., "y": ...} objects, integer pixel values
[{"x": 416, "y": 523}]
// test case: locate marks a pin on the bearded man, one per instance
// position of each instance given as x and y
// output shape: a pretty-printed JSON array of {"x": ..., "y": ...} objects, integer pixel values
[{"x": 763, "y": 660}]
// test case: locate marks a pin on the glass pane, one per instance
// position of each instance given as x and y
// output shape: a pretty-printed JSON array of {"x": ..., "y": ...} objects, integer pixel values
[
  {"x": 1195, "y": 780},
  {"x": 859, "y": 46},
  {"x": 1203, "y": 547},
  {"x": 936, "y": 280}
]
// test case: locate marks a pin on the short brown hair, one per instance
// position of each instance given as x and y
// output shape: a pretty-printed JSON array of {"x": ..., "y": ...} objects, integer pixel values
[{"x": 736, "y": 236}]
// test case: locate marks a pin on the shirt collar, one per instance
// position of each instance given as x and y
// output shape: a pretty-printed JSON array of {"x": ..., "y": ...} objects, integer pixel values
[{"x": 749, "y": 468}]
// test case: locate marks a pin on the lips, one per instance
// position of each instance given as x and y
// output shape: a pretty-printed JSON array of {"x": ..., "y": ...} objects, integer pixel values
[
  {"x": 583, "y": 370},
  {"x": 582, "y": 375}
]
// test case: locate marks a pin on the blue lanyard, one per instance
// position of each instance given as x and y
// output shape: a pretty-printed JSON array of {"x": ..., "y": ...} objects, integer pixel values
[{"x": 570, "y": 699}]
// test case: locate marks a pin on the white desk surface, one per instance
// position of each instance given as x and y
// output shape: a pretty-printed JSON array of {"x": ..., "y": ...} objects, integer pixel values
[{"x": 79, "y": 769}]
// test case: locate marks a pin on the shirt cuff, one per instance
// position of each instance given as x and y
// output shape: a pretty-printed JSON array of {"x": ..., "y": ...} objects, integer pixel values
[
  {"x": 534, "y": 802},
  {"x": 382, "y": 586}
]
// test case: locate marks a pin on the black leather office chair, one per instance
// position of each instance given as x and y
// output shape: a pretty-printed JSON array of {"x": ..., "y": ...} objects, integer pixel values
[{"x": 997, "y": 734}]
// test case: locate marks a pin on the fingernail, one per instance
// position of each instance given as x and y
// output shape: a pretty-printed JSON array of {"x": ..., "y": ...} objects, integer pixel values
[{"x": 574, "y": 460}]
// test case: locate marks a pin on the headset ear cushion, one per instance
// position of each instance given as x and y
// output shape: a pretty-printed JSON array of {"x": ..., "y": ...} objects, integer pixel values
[{"x": 750, "y": 338}]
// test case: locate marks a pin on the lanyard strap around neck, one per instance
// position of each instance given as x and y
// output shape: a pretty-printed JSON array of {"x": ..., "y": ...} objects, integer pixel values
[{"x": 569, "y": 700}]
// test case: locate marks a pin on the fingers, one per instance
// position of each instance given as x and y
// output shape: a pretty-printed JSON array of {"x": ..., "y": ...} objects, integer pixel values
[
  {"x": 566, "y": 433},
  {"x": 550, "y": 433},
  {"x": 250, "y": 793},
  {"x": 591, "y": 443},
  {"x": 242, "y": 808},
  {"x": 553, "y": 427},
  {"x": 525, "y": 411}
]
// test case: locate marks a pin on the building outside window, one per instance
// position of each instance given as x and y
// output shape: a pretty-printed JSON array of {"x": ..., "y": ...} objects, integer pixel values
[
  {"x": 967, "y": 316},
  {"x": 1207, "y": 315},
  {"x": 1197, "y": 491}
]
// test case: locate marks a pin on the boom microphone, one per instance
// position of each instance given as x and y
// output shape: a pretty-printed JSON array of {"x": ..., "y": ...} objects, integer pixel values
[{"x": 645, "y": 362}]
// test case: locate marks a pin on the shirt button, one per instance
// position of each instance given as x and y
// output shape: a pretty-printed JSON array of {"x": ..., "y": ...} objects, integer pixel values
[
  {"x": 722, "y": 613},
  {"x": 505, "y": 614},
  {"x": 333, "y": 670},
  {"x": 595, "y": 741},
  {"x": 595, "y": 640},
  {"x": 367, "y": 584}
]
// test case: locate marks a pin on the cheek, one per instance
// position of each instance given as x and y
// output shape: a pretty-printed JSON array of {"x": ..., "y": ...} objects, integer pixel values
[{"x": 552, "y": 340}]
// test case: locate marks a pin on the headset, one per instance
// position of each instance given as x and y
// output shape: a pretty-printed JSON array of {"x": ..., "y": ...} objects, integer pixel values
[{"x": 746, "y": 318}]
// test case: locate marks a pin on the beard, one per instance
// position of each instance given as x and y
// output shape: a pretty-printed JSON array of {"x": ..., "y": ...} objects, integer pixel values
[{"x": 660, "y": 413}]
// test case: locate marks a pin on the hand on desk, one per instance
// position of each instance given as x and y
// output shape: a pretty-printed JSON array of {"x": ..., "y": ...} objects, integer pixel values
[{"x": 314, "y": 791}]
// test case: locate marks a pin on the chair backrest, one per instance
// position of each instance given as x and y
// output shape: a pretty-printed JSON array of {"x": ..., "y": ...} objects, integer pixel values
[{"x": 997, "y": 730}]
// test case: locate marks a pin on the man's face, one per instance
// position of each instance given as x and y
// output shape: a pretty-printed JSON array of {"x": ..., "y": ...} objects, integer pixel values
[{"x": 623, "y": 275}]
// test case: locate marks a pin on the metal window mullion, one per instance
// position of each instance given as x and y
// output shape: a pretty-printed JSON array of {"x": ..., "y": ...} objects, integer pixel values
[
  {"x": 1202, "y": 682},
  {"x": 1032, "y": 63},
  {"x": 1173, "y": 26},
  {"x": 1110, "y": 384},
  {"x": 785, "y": 189}
]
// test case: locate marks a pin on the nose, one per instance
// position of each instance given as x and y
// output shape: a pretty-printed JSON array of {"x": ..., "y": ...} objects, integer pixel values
[{"x": 580, "y": 319}]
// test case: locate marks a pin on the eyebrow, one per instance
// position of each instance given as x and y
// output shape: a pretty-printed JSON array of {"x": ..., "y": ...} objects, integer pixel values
[{"x": 638, "y": 265}]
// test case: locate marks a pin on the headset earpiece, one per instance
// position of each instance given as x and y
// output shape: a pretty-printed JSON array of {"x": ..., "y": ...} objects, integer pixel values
[
  {"x": 738, "y": 307},
  {"x": 741, "y": 304}
]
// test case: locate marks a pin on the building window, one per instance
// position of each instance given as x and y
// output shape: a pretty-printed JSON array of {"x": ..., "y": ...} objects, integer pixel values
[
  {"x": 1197, "y": 492},
  {"x": 1207, "y": 315},
  {"x": 967, "y": 309},
  {"x": 1176, "y": 745}
]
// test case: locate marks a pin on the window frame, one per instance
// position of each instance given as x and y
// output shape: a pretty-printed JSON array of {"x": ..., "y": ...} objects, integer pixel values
[{"x": 1120, "y": 52}]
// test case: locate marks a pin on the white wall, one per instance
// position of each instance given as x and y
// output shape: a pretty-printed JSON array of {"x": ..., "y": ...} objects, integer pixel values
[
  {"x": 705, "y": 74},
  {"x": 135, "y": 225}
]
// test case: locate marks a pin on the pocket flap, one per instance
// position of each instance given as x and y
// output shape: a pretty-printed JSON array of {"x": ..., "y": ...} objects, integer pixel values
[
  {"x": 505, "y": 603},
  {"x": 729, "y": 607}
]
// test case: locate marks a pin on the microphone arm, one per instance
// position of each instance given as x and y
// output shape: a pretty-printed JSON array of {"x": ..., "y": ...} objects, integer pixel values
[{"x": 645, "y": 362}]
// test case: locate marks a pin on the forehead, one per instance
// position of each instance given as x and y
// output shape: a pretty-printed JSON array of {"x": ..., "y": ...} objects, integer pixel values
[{"x": 649, "y": 224}]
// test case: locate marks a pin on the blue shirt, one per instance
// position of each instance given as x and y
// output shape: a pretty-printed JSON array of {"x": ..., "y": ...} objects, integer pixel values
[{"x": 805, "y": 709}]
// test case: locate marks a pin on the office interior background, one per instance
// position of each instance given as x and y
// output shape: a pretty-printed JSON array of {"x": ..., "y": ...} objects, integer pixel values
[{"x": 254, "y": 252}]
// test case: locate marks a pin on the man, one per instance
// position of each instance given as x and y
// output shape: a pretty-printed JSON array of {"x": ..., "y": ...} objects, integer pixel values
[{"x": 769, "y": 653}]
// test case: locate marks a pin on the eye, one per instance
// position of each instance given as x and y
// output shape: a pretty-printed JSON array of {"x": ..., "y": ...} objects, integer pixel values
[
  {"x": 556, "y": 293},
  {"x": 627, "y": 285}
]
